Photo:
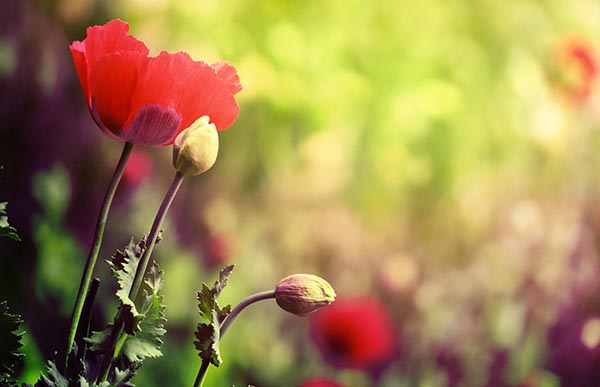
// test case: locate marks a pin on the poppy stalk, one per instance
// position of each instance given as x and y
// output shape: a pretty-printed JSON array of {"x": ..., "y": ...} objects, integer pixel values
[{"x": 95, "y": 248}]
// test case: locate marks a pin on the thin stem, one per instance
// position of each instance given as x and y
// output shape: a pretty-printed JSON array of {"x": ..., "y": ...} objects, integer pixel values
[
  {"x": 111, "y": 350},
  {"x": 151, "y": 241},
  {"x": 199, "y": 382},
  {"x": 95, "y": 248},
  {"x": 227, "y": 322},
  {"x": 86, "y": 316},
  {"x": 243, "y": 305}
]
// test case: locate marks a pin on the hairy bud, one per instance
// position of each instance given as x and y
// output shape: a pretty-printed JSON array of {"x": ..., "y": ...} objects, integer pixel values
[
  {"x": 195, "y": 149},
  {"x": 303, "y": 294}
]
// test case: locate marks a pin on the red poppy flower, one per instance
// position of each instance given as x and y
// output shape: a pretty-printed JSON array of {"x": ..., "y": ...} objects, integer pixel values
[
  {"x": 149, "y": 100},
  {"x": 577, "y": 69},
  {"x": 320, "y": 382},
  {"x": 354, "y": 333}
]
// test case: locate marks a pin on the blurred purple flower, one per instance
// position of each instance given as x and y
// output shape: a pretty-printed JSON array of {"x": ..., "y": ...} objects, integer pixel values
[
  {"x": 449, "y": 361},
  {"x": 574, "y": 353}
]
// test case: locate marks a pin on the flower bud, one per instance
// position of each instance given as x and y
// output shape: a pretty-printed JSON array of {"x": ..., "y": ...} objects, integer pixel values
[
  {"x": 303, "y": 294},
  {"x": 195, "y": 149}
]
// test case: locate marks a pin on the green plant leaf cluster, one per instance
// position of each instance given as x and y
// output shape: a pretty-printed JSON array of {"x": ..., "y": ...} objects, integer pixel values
[
  {"x": 144, "y": 329},
  {"x": 6, "y": 230},
  {"x": 56, "y": 378},
  {"x": 10, "y": 342},
  {"x": 145, "y": 326},
  {"x": 212, "y": 315}
]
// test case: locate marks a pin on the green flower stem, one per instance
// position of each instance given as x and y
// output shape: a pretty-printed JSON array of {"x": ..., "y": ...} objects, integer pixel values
[
  {"x": 151, "y": 241},
  {"x": 227, "y": 322},
  {"x": 113, "y": 349},
  {"x": 95, "y": 248}
]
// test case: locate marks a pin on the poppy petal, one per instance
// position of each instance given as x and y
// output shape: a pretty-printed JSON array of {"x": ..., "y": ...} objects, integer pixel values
[
  {"x": 192, "y": 88},
  {"x": 113, "y": 80},
  {"x": 153, "y": 125},
  {"x": 102, "y": 40},
  {"x": 78, "y": 54},
  {"x": 228, "y": 74}
]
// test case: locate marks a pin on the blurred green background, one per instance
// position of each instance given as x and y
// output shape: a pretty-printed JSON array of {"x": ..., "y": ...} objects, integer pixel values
[{"x": 439, "y": 155}]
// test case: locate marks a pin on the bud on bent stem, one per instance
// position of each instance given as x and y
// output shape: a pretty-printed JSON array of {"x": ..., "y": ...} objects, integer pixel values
[
  {"x": 303, "y": 294},
  {"x": 300, "y": 294}
]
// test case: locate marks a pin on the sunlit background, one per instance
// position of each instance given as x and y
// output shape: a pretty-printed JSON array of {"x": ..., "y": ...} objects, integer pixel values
[{"x": 437, "y": 161}]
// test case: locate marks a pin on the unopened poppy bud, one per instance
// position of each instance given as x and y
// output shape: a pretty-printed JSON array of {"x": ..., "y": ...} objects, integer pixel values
[
  {"x": 195, "y": 149},
  {"x": 303, "y": 294}
]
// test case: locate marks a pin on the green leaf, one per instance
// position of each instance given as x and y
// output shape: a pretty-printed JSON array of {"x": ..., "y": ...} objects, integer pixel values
[
  {"x": 145, "y": 326},
  {"x": 10, "y": 342},
  {"x": 124, "y": 265},
  {"x": 56, "y": 379},
  {"x": 212, "y": 315},
  {"x": 148, "y": 340},
  {"x": 7, "y": 230}
]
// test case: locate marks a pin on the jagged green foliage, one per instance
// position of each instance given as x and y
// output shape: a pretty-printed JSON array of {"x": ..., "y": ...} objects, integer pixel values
[
  {"x": 211, "y": 314},
  {"x": 10, "y": 342},
  {"x": 148, "y": 340},
  {"x": 124, "y": 265},
  {"x": 144, "y": 327},
  {"x": 56, "y": 378},
  {"x": 6, "y": 230}
]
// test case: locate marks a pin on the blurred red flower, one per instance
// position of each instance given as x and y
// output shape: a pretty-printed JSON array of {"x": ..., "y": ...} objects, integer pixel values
[
  {"x": 218, "y": 248},
  {"x": 320, "y": 382},
  {"x": 355, "y": 333},
  {"x": 138, "y": 168},
  {"x": 577, "y": 69},
  {"x": 149, "y": 100}
]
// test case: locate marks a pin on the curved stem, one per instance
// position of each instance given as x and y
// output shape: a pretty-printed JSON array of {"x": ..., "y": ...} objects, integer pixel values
[
  {"x": 243, "y": 305},
  {"x": 227, "y": 322},
  {"x": 151, "y": 241},
  {"x": 111, "y": 350},
  {"x": 95, "y": 248}
]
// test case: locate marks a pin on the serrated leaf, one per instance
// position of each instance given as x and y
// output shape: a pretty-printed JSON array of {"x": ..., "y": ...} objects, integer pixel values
[
  {"x": 54, "y": 378},
  {"x": 207, "y": 297},
  {"x": 10, "y": 341},
  {"x": 147, "y": 339},
  {"x": 122, "y": 377},
  {"x": 207, "y": 333},
  {"x": 154, "y": 278},
  {"x": 124, "y": 265},
  {"x": 208, "y": 340},
  {"x": 223, "y": 277},
  {"x": 6, "y": 230}
]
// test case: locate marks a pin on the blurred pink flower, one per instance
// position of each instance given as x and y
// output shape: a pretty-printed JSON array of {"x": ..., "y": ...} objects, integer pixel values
[
  {"x": 320, "y": 382},
  {"x": 356, "y": 333}
]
